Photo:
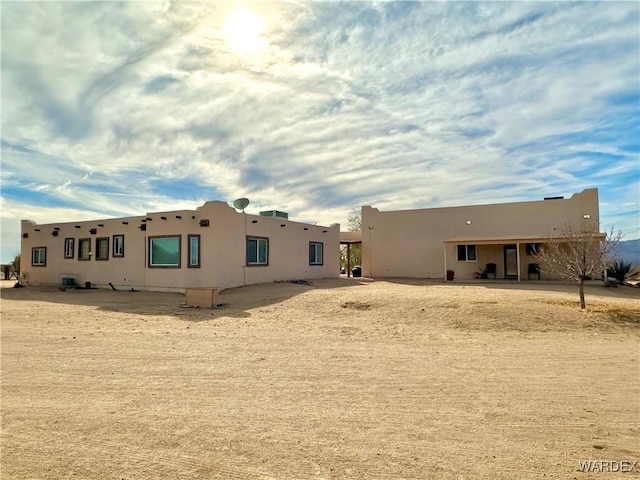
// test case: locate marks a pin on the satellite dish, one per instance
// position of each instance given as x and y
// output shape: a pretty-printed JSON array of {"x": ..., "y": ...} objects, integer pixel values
[{"x": 241, "y": 203}]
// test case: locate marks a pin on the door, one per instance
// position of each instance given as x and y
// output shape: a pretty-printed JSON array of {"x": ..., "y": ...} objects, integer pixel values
[{"x": 510, "y": 261}]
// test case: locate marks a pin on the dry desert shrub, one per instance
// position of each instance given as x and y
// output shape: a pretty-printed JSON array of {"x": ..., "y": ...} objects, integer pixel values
[{"x": 356, "y": 305}]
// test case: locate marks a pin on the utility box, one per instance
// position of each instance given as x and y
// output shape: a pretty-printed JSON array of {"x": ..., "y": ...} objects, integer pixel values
[
  {"x": 275, "y": 213},
  {"x": 69, "y": 280},
  {"x": 202, "y": 297}
]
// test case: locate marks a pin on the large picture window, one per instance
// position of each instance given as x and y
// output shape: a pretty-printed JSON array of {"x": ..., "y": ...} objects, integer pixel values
[
  {"x": 84, "y": 249},
  {"x": 164, "y": 251},
  {"x": 194, "y": 251},
  {"x": 39, "y": 256},
  {"x": 316, "y": 256},
  {"x": 467, "y": 253},
  {"x": 118, "y": 245},
  {"x": 102, "y": 248},
  {"x": 257, "y": 251},
  {"x": 68, "y": 247}
]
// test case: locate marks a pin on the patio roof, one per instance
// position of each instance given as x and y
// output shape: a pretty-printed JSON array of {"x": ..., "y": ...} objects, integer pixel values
[
  {"x": 350, "y": 237},
  {"x": 511, "y": 240}
]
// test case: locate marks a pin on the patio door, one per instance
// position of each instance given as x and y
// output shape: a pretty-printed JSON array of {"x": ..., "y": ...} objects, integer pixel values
[{"x": 510, "y": 261}]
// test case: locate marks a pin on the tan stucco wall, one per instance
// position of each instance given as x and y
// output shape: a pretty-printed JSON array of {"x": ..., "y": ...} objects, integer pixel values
[
  {"x": 125, "y": 271},
  {"x": 411, "y": 243},
  {"x": 222, "y": 247}
]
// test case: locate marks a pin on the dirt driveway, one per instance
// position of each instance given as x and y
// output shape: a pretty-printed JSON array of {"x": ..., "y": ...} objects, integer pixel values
[{"x": 340, "y": 379}]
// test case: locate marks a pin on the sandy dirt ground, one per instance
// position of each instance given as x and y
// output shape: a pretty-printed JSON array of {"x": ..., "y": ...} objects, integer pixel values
[{"x": 394, "y": 379}]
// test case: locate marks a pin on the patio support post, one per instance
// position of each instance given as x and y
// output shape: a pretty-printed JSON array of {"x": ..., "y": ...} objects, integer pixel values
[
  {"x": 518, "y": 258},
  {"x": 348, "y": 260},
  {"x": 444, "y": 247}
]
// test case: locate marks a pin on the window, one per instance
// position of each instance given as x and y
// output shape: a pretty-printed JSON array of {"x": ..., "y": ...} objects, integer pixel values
[
  {"x": 68, "y": 247},
  {"x": 466, "y": 253},
  {"x": 102, "y": 248},
  {"x": 315, "y": 253},
  {"x": 164, "y": 251},
  {"x": 39, "y": 256},
  {"x": 118, "y": 245},
  {"x": 532, "y": 248},
  {"x": 194, "y": 251},
  {"x": 84, "y": 249},
  {"x": 257, "y": 251}
]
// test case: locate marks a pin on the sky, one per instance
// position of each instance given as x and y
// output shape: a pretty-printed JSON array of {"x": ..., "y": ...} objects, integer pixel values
[{"x": 113, "y": 109}]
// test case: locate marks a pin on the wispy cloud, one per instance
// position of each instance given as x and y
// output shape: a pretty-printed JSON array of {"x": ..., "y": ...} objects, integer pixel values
[{"x": 119, "y": 108}]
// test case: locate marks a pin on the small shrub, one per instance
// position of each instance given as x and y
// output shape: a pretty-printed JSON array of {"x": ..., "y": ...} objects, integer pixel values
[
  {"x": 620, "y": 271},
  {"x": 611, "y": 283},
  {"x": 356, "y": 305}
]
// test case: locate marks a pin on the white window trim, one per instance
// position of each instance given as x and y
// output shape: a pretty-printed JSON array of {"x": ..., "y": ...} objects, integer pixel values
[
  {"x": 42, "y": 256},
  {"x": 315, "y": 244},
  {"x": 118, "y": 252},
  {"x": 257, "y": 263},
  {"x": 69, "y": 247}
]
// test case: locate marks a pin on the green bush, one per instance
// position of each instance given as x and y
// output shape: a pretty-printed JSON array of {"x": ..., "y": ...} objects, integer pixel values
[{"x": 620, "y": 270}]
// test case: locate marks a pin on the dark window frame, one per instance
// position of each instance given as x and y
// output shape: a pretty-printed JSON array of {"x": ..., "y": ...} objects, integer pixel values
[
  {"x": 316, "y": 263},
  {"x": 113, "y": 252},
  {"x": 257, "y": 263},
  {"x": 532, "y": 249},
  {"x": 69, "y": 240},
  {"x": 463, "y": 250},
  {"x": 149, "y": 242},
  {"x": 80, "y": 242},
  {"x": 97, "y": 256},
  {"x": 189, "y": 238},
  {"x": 33, "y": 251}
]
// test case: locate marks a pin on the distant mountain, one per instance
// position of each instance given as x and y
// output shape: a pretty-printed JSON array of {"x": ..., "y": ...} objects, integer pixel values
[{"x": 629, "y": 251}]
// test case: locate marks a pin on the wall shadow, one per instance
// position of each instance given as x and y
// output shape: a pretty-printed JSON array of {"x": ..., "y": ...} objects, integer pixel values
[{"x": 236, "y": 302}]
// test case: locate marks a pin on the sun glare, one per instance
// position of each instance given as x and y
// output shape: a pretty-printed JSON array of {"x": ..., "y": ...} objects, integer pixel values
[{"x": 243, "y": 30}]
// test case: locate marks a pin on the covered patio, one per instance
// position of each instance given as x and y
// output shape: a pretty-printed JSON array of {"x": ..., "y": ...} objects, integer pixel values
[
  {"x": 348, "y": 239},
  {"x": 497, "y": 258}
]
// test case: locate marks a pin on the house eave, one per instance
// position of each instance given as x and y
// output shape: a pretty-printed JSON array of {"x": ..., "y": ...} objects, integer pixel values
[{"x": 511, "y": 240}]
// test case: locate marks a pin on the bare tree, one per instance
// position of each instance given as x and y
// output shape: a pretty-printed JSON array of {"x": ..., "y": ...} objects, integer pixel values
[
  {"x": 577, "y": 253},
  {"x": 354, "y": 224}
]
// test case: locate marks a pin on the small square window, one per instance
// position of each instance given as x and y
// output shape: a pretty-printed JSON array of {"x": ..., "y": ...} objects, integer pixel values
[
  {"x": 466, "y": 253},
  {"x": 39, "y": 256},
  {"x": 257, "y": 251}
]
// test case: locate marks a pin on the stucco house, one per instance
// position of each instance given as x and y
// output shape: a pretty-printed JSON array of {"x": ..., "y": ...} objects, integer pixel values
[
  {"x": 213, "y": 246},
  {"x": 425, "y": 243}
]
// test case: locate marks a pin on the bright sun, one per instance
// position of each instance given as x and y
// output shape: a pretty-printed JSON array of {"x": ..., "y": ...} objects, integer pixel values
[{"x": 243, "y": 31}]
